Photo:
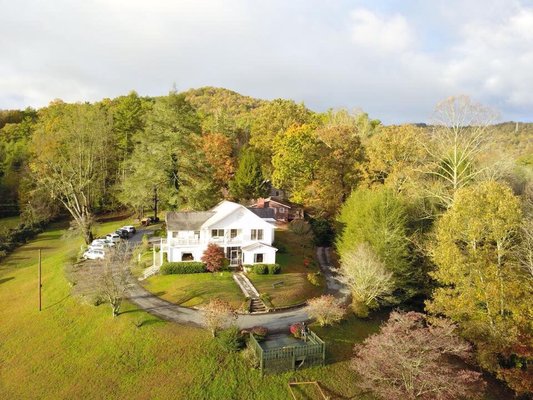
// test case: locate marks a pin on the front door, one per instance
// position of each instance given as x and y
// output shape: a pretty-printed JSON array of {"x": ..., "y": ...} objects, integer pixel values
[{"x": 234, "y": 255}]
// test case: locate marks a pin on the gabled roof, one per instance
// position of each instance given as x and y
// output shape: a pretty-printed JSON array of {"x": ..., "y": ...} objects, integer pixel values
[
  {"x": 256, "y": 245},
  {"x": 187, "y": 220}
]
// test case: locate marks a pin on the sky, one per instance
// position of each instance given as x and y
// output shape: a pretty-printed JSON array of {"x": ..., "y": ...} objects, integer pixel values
[{"x": 394, "y": 59}]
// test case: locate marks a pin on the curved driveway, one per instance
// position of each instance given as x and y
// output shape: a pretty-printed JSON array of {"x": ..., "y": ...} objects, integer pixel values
[{"x": 274, "y": 321}]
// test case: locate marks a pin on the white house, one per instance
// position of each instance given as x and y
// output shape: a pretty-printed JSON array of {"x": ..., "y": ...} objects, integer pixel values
[{"x": 245, "y": 234}]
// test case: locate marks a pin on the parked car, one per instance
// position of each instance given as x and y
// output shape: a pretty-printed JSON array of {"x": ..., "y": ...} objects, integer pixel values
[
  {"x": 113, "y": 237},
  {"x": 130, "y": 228},
  {"x": 124, "y": 234},
  {"x": 94, "y": 254},
  {"x": 96, "y": 246}
]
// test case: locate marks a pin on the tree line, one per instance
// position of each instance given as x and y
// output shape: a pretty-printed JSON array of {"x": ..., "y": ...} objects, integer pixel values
[{"x": 439, "y": 215}]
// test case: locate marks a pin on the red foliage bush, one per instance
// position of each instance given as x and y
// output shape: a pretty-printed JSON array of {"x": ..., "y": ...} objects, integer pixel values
[{"x": 213, "y": 257}]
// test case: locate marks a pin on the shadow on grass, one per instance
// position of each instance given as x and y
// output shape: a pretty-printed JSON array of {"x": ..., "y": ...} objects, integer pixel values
[
  {"x": 57, "y": 302},
  {"x": 152, "y": 321},
  {"x": 6, "y": 279}
]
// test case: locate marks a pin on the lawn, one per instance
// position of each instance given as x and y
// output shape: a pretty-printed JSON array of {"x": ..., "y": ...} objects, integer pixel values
[
  {"x": 295, "y": 288},
  {"x": 9, "y": 222},
  {"x": 190, "y": 290},
  {"x": 78, "y": 351}
]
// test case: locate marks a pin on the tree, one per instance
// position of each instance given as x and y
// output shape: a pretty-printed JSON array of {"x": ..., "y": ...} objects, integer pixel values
[
  {"x": 213, "y": 257},
  {"x": 218, "y": 315},
  {"x": 393, "y": 157},
  {"x": 219, "y": 155},
  {"x": 412, "y": 359},
  {"x": 273, "y": 118},
  {"x": 166, "y": 161},
  {"x": 302, "y": 229},
  {"x": 459, "y": 134},
  {"x": 367, "y": 277},
  {"x": 295, "y": 160},
  {"x": 482, "y": 287},
  {"x": 113, "y": 282},
  {"x": 379, "y": 217},
  {"x": 70, "y": 150},
  {"x": 248, "y": 182},
  {"x": 326, "y": 309}
]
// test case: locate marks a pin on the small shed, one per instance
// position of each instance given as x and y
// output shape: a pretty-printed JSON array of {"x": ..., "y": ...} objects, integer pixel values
[{"x": 282, "y": 352}]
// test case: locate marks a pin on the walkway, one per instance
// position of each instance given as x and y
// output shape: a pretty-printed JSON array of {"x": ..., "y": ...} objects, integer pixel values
[{"x": 274, "y": 321}]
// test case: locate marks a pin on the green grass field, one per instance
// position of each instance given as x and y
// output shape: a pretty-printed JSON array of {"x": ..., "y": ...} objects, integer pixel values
[
  {"x": 78, "y": 351},
  {"x": 190, "y": 290},
  {"x": 295, "y": 288}
]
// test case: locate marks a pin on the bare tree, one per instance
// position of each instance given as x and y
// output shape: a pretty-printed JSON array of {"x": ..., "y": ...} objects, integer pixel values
[
  {"x": 114, "y": 281},
  {"x": 325, "y": 309},
  {"x": 461, "y": 127},
  {"x": 366, "y": 276},
  {"x": 413, "y": 359},
  {"x": 218, "y": 314}
]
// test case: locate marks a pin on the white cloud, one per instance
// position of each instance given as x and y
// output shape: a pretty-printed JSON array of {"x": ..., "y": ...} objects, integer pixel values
[
  {"x": 381, "y": 33},
  {"x": 394, "y": 62}
]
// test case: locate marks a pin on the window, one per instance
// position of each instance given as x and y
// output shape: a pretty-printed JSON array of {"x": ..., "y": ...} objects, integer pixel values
[
  {"x": 233, "y": 233},
  {"x": 217, "y": 232},
  {"x": 258, "y": 258},
  {"x": 187, "y": 257},
  {"x": 281, "y": 210},
  {"x": 257, "y": 234}
]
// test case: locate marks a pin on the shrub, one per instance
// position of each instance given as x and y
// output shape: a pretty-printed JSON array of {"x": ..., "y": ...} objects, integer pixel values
[
  {"x": 274, "y": 269},
  {"x": 231, "y": 339},
  {"x": 296, "y": 330},
  {"x": 325, "y": 309},
  {"x": 263, "y": 269},
  {"x": 218, "y": 314},
  {"x": 213, "y": 257},
  {"x": 314, "y": 278},
  {"x": 182, "y": 267},
  {"x": 250, "y": 357},
  {"x": 259, "y": 333},
  {"x": 260, "y": 269}
]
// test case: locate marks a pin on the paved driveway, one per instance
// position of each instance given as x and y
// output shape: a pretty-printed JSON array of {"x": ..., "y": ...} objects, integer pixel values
[{"x": 274, "y": 321}]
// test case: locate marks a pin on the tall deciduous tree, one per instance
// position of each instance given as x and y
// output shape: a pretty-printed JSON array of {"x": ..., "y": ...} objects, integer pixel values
[
  {"x": 459, "y": 134},
  {"x": 219, "y": 155},
  {"x": 482, "y": 287},
  {"x": 412, "y": 359},
  {"x": 248, "y": 182},
  {"x": 379, "y": 217},
  {"x": 70, "y": 153},
  {"x": 367, "y": 278}
]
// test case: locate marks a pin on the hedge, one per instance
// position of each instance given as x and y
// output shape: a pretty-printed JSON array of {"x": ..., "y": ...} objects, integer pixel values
[
  {"x": 263, "y": 269},
  {"x": 182, "y": 267}
]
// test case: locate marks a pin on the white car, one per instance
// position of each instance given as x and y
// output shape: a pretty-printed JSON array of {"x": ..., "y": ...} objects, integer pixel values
[
  {"x": 113, "y": 237},
  {"x": 130, "y": 228},
  {"x": 97, "y": 246},
  {"x": 103, "y": 242},
  {"x": 94, "y": 254}
]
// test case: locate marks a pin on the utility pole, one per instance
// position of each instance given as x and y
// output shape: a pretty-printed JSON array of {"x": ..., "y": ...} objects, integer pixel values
[
  {"x": 156, "y": 200},
  {"x": 40, "y": 284}
]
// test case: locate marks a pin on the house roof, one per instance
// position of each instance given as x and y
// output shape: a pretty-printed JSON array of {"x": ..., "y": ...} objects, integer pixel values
[
  {"x": 263, "y": 212},
  {"x": 187, "y": 220},
  {"x": 256, "y": 245}
]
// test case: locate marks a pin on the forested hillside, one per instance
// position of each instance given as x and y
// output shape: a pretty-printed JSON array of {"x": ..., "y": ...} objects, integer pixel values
[{"x": 440, "y": 214}]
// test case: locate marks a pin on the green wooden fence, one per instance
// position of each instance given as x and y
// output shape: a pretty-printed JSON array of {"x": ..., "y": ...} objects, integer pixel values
[{"x": 274, "y": 360}]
